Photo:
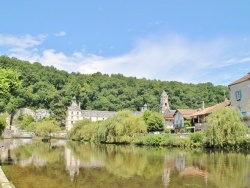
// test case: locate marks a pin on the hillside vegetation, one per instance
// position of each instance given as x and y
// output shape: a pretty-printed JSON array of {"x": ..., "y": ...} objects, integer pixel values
[{"x": 53, "y": 89}]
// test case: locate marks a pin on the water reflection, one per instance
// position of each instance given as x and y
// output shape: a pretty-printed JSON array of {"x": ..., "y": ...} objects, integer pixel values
[{"x": 68, "y": 164}]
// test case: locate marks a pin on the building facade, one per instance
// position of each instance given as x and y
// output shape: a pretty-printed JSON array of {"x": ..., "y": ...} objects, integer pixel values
[
  {"x": 74, "y": 114},
  {"x": 239, "y": 92},
  {"x": 199, "y": 117},
  {"x": 180, "y": 116}
]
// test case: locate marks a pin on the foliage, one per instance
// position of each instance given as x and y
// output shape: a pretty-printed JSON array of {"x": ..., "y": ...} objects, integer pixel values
[
  {"x": 2, "y": 122},
  {"x": 43, "y": 127},
  {"x": 119, "y": 128},
  {"x": 47, "y": 87},
  {"x": 154, "y": 121},
  {"x": 26, "y": 120},
  {"x": 82, "y": 130},
  {"x": 9, "y": 81},
  {"x": 196, "y": 139},
  {"x": 225, "y": 128},
  {"x": 46, "y": 128},
  {"x": 160, "y": 140}
]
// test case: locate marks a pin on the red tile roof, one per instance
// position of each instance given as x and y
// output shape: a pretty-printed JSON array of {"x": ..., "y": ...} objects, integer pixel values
[{"x": 243, "y": 79}]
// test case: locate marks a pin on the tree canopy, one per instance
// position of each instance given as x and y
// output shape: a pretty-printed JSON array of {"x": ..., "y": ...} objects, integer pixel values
[
  {"x": 225, "y": 128},
  {"x": 47, "y": 87}
]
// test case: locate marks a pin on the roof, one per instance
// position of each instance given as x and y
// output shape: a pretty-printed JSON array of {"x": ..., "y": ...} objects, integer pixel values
[
  {"x": 169, "y": 115},
  {"x": 212, "y": 108},
  {"x": 74, "y": 105},
  {"x": 163, "y": 93},
  {"x": 243, "y": 79},
  {"x": 186, "y": 112}
]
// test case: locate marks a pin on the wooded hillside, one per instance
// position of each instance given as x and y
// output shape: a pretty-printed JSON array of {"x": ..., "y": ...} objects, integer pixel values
[{"x": 47, "y": 87}]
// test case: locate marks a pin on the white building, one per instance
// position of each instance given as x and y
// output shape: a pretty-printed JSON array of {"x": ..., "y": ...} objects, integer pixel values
[
  {"x": 239, "y": 92},
  {"x": 74, "y": 113}
]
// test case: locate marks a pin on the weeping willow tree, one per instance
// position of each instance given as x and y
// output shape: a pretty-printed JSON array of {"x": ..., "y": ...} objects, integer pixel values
[
  {"x": 121, "y": 128},
  {"x": 225, "y": 128},
  {"x": 82, "y": 130}
]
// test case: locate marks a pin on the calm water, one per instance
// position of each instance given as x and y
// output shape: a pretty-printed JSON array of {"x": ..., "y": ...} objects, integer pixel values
[{"x": 70, "y": 164}]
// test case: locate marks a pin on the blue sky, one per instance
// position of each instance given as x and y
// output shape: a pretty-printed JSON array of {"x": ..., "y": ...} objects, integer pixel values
[{"x": 189, "y": 41}]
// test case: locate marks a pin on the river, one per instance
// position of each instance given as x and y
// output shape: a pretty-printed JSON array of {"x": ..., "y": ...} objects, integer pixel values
[{"x": 27, "y": 164}]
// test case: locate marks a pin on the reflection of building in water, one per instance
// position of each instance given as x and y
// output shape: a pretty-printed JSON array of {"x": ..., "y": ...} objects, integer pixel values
[
  {"x": 73, "y": 165},
  {"x": 180, "y": 162},
  {"x": 33, "y": 159},
  {"x": 166, "y": 176},
  {"x": 6, "y": 145}
]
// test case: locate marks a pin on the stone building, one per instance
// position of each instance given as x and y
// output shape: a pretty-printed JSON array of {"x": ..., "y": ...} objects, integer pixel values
[
  {"x": 74, "y": 113},
  {"x": 36, "y": 114},
  {"x": 165, "y": 111}
]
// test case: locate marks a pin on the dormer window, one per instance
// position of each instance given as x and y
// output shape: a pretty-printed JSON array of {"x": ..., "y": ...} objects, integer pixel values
[{"x": 238, "y": 95}]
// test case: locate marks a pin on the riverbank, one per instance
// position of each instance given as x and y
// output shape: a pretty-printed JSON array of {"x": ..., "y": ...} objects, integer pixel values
[{"x": 4, "y": 181}]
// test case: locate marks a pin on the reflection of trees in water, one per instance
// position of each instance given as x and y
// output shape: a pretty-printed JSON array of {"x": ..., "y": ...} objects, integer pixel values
[
  {"x": 161, "y": 166},
  {"x": 122, "y": 160},
  {"x": 224, "y": 166},
  {"x": 37, "y": 153},
  {"x": 206, "y": 169}
]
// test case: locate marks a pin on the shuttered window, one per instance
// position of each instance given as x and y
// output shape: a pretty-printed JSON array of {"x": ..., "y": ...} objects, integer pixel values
[{"x": 238, "y": 95}]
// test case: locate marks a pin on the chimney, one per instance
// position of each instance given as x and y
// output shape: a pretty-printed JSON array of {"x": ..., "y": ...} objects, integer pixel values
[
  {"x": 79, "y": 105},
  {"x": 202, "y": 105}
]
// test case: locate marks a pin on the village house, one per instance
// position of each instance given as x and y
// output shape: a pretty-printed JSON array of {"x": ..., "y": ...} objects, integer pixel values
[
  {"x": 199, "y": 117},
  {"x": 239, "y": 92},
  {"x": 180, "y": 116}
]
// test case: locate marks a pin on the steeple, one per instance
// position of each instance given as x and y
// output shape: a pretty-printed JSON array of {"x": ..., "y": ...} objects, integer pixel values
[
  {"x": 164, "y": 103},
  {"x": 74, "y": 105}
]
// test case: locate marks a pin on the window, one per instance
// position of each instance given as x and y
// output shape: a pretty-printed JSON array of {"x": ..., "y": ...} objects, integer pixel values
[
  {"x": 238, "y": 95},
  {"x": 244, "y": 114}
]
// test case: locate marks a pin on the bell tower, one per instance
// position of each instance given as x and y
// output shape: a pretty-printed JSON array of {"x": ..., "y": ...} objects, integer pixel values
[{"x": 164, "y": 103}]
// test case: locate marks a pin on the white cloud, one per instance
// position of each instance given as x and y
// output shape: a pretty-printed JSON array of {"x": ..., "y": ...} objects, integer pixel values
[
  {"x": 171, "y": 57},
  {"x": 26, "y": 41},
  {"x": 60, "y": 34}
]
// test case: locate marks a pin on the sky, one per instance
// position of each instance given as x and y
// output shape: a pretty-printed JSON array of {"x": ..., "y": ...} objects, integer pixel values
[{"x": 170, "y": 40}]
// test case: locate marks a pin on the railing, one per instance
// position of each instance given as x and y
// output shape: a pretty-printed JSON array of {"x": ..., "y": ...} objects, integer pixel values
[{"x": 200, "y": 126}]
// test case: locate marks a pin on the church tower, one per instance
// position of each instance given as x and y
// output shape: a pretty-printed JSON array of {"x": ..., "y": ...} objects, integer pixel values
[
  {"x": 73, "y": 114},
  {"x": 164, "y": 103}
]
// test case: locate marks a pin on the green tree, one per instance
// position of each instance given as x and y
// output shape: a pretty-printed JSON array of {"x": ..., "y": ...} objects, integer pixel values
[
  {"x": 26, "y": 121},
  {"x": 9, "y": 81},
  {"x": 225, "y": 128},
  {"x": 2, "y": 122},
  {"x": 154, "y": 121},
  {"x": 46, "y": 128},
  {"x": 122, "y": 127}
]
